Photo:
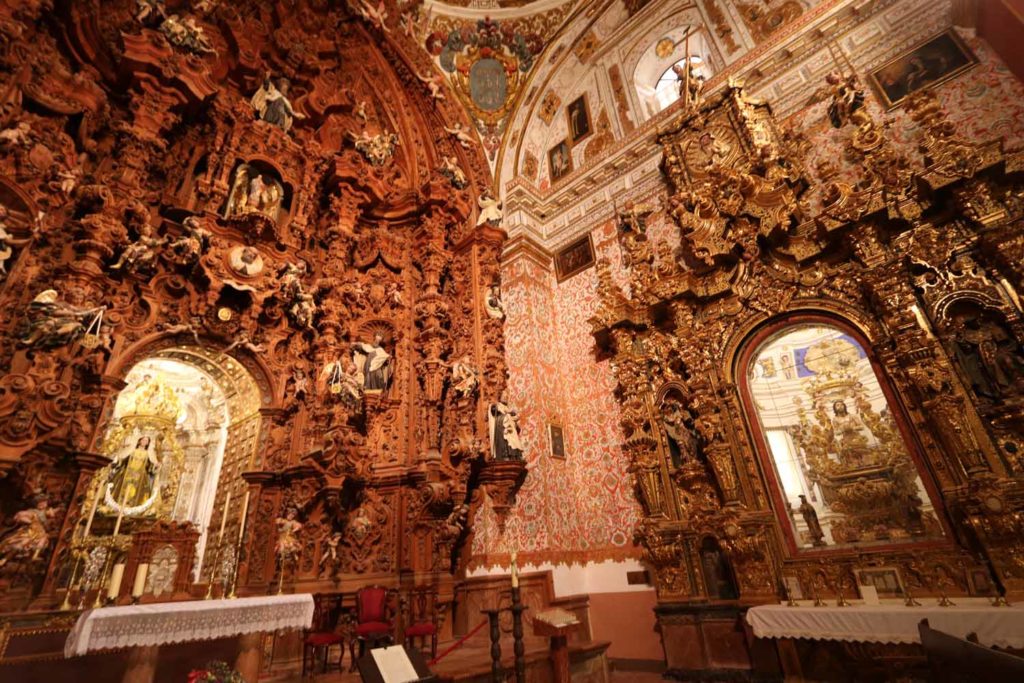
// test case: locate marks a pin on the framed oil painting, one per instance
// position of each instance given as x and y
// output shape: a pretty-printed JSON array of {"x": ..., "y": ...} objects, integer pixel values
[
  {"x": 579, "y": 119},
  {"x": 574, "y": 258},
  {"x": 557, "y": 437},
  {"x": 933, "y": 61},
  {"x": 559, "y": 160},
  {"x": 886, "y": 581}
]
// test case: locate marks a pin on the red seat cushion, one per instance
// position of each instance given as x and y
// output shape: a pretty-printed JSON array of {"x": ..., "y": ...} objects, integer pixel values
[
  {"x": 324, "y": 639},
  {"x": 424, "y": 629},
  {"x": 372, "y": 628}
]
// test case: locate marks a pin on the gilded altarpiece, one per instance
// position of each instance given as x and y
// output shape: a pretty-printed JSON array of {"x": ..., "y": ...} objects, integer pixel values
[{"x": 807, "y": 392}]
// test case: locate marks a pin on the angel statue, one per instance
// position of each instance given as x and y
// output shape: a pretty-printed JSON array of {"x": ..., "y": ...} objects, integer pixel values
[
  {"x": 31, "y": 536},
  {"x": 288, "y": 545},
  {"x": 272, "y": 105},
  {"x": 503, "y": 426},
  {"x": 847, "y": 99},
  {"x": 374, "y": 362},
  {"x": 490, "y": 211},
  {"x": 140, "y": 255},
  {"x": 7, "y": 241},
  {"x": 51, "y": 322},
  {"x": 341, "y": 377},
  {"x": 188, "y": 248},
  {"x": 465, "y": 377}
]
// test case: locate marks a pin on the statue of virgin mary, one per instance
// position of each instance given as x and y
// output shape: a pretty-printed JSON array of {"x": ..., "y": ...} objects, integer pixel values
[{"x": 133, "y": 478}]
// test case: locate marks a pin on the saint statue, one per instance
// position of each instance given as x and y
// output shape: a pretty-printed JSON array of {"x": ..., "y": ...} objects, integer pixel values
[
  {"x": 990, "y": 357},
  {"x": 374, "y": 362},
  {"x": 133, "y": 477},
  {"x": 682, "y": 439},
  {"x": 492, "y": 303},
  {"x": 810, "y": 516},
  {"x": 31, "y": 535},
  {"x": 288, "y": 544},
  {"x": 272, "y": 105},
  {"x": 503, "y": 425},
  {"x": 852, "y": 439}
]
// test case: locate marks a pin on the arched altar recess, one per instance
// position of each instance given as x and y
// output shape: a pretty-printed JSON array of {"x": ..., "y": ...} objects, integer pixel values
[{"x": 197, "y": 413}]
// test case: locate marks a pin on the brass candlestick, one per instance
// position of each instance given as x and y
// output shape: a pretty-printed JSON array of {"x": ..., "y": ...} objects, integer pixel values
[
  {"x": 817, "y": 599},
  {"x": 944, "y": 601},
  {"x": 841, "y": 600},
  {"x": 910, "y": 601}
]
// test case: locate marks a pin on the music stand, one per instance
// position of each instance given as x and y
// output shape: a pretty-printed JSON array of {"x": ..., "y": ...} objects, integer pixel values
[{"x": 369, "y": 672}]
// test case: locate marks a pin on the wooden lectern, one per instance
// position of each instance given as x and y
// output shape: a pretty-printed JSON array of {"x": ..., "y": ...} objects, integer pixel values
[
  {"x": 556, "y": 624},
  {"x": 370, "y": 672}
]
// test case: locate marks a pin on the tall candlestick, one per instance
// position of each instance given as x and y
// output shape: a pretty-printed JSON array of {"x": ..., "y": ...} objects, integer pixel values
[
  {"x": 115, "y": 581},
  {"x": 117, "y": 524},
  {"x": 140, "y": 580},
  {"x": 224, "y": 518},
  {"x": 515, "y": 572},
  {"x": 241, "y": 520},
  {"x": 92, "y": 514}
]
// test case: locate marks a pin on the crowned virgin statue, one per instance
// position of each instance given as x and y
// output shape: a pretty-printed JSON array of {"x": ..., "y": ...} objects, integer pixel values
[{"x": 133, "y": 478}]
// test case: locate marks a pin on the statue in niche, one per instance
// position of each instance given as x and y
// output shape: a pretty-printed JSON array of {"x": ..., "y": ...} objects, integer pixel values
[
  {"x": 140, "y": 256},
  {"x": 717, "y": 574},
  {"x": 133, "y": 477},
  {"x": 272, "y": 105},
  {"x": 374, "y": 363},
  {"x": 990, "y": 357},
  {"x": 503, "y": 426},
  {"x": 254, "y": 192},
  {"x": 492, "y": 303},
  {"x": 51, "y": 322},
  {"x": 465, "y": 377},
  {"x": 31, "y": 537},
  {"x": 288, "y": 545},
  {"x": 682, "y": 438},
  {"x": 329, "y": 557},
  {"x": 810, "y": 516},
  {"x": 851, "y": 437},
  {"x": 187, "y": 249}
]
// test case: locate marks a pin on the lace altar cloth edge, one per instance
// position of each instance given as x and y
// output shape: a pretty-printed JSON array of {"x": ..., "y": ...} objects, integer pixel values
[
  {"x": 995, "y": 626},
  {"x": 109, "y": 628}
]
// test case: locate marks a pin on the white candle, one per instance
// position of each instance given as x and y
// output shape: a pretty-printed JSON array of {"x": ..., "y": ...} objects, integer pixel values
[
  {"x": 515, "y": 572},
  {"x": 140, "y": 580},
  {"x": 92, "y": 514},
  {"x": 115, "y": 581},
  {"x": 224, "y": 518},
  {"x": 241, "y": 520},
  {"x": 117, "y": 524}
]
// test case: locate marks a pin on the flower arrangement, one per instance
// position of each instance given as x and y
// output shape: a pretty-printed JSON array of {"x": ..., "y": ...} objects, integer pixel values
[{"x": 215, "y": 672}]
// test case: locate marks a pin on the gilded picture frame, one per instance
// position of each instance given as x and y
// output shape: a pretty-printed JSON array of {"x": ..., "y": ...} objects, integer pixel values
[
  {"x": 560, "y": 160},
  {"x": 574, "y": 258},
  {"x": 929, "y": 63},
  {"x": 556, "y": 440},
  {"x": 577, "y": 116}
]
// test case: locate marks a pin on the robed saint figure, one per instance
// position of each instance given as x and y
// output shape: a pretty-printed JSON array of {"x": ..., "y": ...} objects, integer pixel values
[
  {"x": 374, "y": 363},
  {"x": 503, "y": 425}
]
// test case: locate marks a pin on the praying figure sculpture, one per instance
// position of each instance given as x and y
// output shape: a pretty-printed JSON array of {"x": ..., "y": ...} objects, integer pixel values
[
  {"x": 272, "y": 105},
  {"x": 374, "y": 362},
  {"x": 503, "y": 425}
]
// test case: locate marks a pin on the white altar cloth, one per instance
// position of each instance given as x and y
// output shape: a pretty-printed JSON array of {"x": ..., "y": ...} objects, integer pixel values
[
  {"x": 995, "y": 626},
  {"x": 176, "y": 622}
]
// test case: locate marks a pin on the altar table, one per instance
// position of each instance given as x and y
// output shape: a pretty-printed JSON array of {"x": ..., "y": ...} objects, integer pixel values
[
  {"x": 893, "y": 623},
  {"x": 146, "y": 627}
]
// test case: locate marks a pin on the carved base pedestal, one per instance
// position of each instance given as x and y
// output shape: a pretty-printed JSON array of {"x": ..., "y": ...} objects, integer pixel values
[{"x": 708, "y": 642}]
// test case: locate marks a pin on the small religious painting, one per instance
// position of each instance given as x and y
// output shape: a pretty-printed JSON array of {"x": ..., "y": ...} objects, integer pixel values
[
  {"x": 559, "y": 160},
  {"x": 934, "y": 61},
  {"x": 574, "y": 258},
  {"x": 557, "y": 437},
  {"x": 579, "y": 119},
  {"x": 981, "y": 582},
  {"x": 885, "y": 580},
  {"x": 793, "y": 589}
]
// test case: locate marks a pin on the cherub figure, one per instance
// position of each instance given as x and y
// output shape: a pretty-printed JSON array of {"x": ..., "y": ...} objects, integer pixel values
[
  {"x": 140, "y": 255},
  {"x": 461, "y": 134},
  {"x": 451, "y": 170},
  {"x": 490, "y": 211},
  {"x": 434, "y": 85}
]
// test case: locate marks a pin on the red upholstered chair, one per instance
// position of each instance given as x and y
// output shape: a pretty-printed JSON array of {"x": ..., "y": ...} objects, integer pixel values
[
  {"x": 373, "y": 620},
  {"x": 324, "y": 633},
  {"x": 421, "y": 617}
]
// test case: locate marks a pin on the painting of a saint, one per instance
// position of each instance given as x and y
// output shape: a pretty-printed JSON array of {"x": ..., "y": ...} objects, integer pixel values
[
  {"x": 559, "y": 160},
  {"x": 934, "y": 61},
  {"x": 574, "y": 258},
  {"x": 579, "y": 119}
]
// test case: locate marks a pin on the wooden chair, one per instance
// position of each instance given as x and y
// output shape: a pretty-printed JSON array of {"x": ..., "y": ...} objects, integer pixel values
[
  {"x": 955, "y": 659},
  {"x": 421, "y": 617},
  {"x": 324, "y": 632},
  {"x": 374, "y": 625}
]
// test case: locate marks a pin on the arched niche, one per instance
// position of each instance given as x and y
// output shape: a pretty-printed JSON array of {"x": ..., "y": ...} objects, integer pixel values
[
  {"x": 182, "y": 431},
  {"x": 842, "y": 466},
  {"x": 258, "y": 187}
]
